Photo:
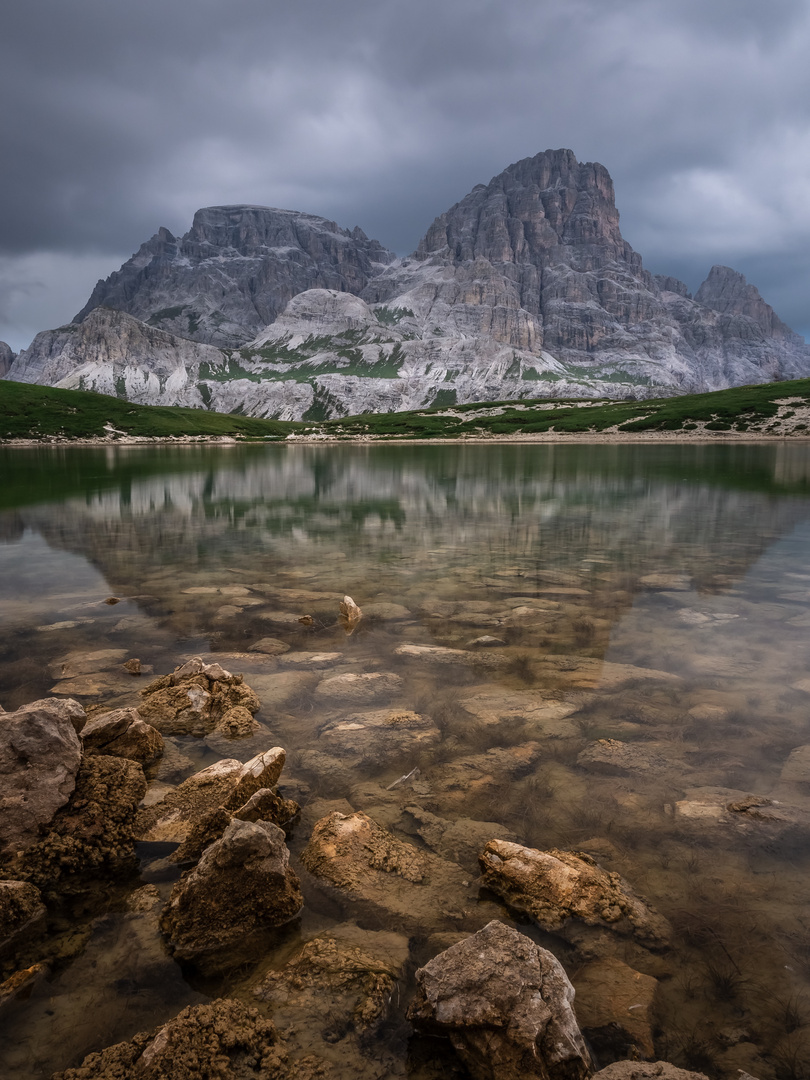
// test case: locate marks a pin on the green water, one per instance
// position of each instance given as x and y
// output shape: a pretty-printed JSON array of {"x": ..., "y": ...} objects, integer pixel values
[{"x": 692, "y": 562}]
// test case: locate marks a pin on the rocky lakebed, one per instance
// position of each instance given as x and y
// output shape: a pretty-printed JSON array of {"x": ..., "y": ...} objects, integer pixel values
[{"x": 497, "y": 816}]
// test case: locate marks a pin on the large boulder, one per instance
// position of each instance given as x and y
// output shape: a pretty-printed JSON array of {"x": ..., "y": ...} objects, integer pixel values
[
  {"x": 22, "y": 913},
  {"x": 194, "y": 699},
  {"x": 558, "y": 887},
  {"x": 355, "y": 859},
  {"x": 243, "y": 885},
  {"x": 506, "y": 1006},
  {"x": 92, "y": 836},
  {"x": 40, "y": 754},
  {"x": 122, "y": 733},
  {"x": 224, "y": 1040}
]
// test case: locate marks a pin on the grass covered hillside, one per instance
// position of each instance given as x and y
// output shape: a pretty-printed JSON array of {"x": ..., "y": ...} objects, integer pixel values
[
  {"x": 28, "y": 411},
  {"x": 781, "y": 408},
  {"x": 778, "y": 409}
]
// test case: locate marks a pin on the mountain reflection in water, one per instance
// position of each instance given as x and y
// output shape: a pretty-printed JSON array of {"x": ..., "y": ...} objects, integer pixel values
[{"x": 651, "y": 604}]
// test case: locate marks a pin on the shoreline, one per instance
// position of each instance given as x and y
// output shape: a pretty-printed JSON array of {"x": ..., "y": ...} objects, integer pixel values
[{"x": 557, "y": 438}]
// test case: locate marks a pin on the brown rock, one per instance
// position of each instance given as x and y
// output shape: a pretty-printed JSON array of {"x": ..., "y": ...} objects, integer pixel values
[
  {"x": 194, "y": 698},
  {"x": 242, "y": 885},
  {"x": 358, "y": 860},
  {"x": 646, "y": 1070},
  {"x": 122, "y": 733},
  {"x": 22, "y": 914},
  {"x": 40, "y": 754},
  {"x": 133, "y": 666},
  {"x": 20, "y": 985},
  {"x": 171, "y": 819},
  {"x": 614, "y": 1007},
  {"x": 270, "y": 647},
  {"x": 383, "y": 737},
  {"x": 506, "y": 1006},
  {"x": 365, "y": 689},
  {"x": 92, "y": 836},
  {"x": 225, "y": 1040},
  {"x": 557, "y": 886},
  {"x": 237, "y": 723}
]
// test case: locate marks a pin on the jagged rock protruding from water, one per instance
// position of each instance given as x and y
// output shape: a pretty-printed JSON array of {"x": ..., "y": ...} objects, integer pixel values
[
  {"x": 225, "y": 1033},
  {"x": 7, "y": 357},
  {"x": 506, "y": 1006},
  {"x": 122, "y": 733},
  {"x": 556, "y": 887},
  {"x": 40, "y": 754},
  {"x": 194, "y": 698},
  {"x": 92, "y": 836},
  {"x": 242, "y": 885},
  {"x": 235, "y": 270}
]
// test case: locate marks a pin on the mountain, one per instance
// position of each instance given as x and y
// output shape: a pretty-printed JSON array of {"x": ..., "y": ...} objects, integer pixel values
[
  {"x": 6, "y": 358},
  {"x": 525, "y": 288}
]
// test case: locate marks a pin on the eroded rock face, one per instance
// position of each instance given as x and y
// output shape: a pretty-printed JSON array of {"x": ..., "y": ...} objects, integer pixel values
[
  {"x": 7, "y": 356},
  {"x": 506, "y": 1006},
  {"x": 363, "y": 862},
  {"x": 242, "y": 885},
  {"x": 554, "y": 887},
  {"x": 122, "y": 733},
  {"x": 194, "y": 699},
  {"x": 21, "y": 913},
  {"x": 225, "y": 1040},
  {"x": 171, "y": 819},
  {"x": 92, "y": 836},
  {"x": 40, "y": 754}
]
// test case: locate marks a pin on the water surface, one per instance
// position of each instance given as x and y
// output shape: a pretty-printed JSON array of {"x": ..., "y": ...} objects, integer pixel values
[{"x": 660, "y": 593}]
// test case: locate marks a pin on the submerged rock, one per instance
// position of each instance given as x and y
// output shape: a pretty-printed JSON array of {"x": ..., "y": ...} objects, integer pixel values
[
  {"x": 194, "y": 698},
  {"x": 22, "y": 913},
  {"x": 364, "y": 863},
  {"x": 365, "y": 689},
  {"x": 40, "y": 754},
  {"x": 612, "y": 757},
  {"x": 225, "y": 1040},
  {"x": 647, "y": 1070},
  {"x": 122, "y": 733},
  {"x": 242, "y": 885},
  {"x": 739, "y": 812},
  {"x": 614, "y": 1006},
  {"x": 506, "y": 1006},
  {"x": 356, "y": 971},
  {"x": 554, "y": 887},
  {"x": 382, "y": 737}
]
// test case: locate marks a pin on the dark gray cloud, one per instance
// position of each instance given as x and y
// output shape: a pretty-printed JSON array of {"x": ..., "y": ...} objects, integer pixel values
[{"x": 120, "y": 118}]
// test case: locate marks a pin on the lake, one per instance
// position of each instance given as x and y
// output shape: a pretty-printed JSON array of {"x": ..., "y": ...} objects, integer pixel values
[{"x": 631, "y": 625}]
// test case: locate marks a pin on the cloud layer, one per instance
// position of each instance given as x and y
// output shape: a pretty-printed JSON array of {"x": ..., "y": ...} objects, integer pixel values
[{"x": 121, "y": 118}]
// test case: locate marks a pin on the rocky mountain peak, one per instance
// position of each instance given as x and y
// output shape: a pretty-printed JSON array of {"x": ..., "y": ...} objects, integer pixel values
[
  {"x": 539, "y": 208},
  {"x": 235, "y": 270},
  {"x": 727, "y": 292}
]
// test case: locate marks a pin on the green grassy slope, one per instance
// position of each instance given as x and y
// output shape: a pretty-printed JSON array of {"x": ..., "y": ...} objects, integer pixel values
[
  {"x": 29, "y": 411},
  {"x": 744, "y": 408}
]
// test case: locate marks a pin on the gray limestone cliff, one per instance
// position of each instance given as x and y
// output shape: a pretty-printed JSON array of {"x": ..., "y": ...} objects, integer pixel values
[
  {"x": 524, "y": 289},
  {"x": 6, "y": 358},
  {"x": 234, "y": 271}
]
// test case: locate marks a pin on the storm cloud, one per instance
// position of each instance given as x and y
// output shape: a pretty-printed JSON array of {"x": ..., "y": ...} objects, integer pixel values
[{"x": 119, "y": 118}]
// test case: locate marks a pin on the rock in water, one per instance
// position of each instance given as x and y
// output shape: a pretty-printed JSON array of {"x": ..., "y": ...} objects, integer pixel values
[
  {"x": 557, "y": 887},
  {"x": 122, "y": 733},
  {"x": 242, "y": 885},
  {"x": 40, "y": 754},
  {"x": 225, "y": 1040},
  {"x": 194, "y": 698},
  {"x": 22, "y": 913},
  {"x": 506, "y": 1006}
]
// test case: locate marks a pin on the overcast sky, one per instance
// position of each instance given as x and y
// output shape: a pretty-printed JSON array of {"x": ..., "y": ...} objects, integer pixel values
[{"x": 119, "y": 117}]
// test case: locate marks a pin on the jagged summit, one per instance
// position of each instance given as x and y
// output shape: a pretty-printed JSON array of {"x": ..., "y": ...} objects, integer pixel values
[
  {"x": 523, "y": 288},
  {"x": 235, "y": 270}
]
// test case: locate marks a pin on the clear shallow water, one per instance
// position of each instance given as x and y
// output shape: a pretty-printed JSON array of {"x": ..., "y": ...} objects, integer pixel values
[{"x": 692, "y": 561}]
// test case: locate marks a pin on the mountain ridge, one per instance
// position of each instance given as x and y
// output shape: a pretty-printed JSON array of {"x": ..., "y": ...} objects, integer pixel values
[{"x": 524, "y": 287}]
